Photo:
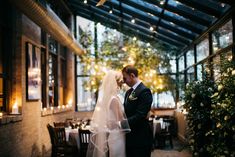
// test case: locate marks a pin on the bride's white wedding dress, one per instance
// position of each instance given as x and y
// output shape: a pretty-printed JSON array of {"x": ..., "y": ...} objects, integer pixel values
[
  {"x": 116, "y": 139},
  {"x": 108, "y": 138}
]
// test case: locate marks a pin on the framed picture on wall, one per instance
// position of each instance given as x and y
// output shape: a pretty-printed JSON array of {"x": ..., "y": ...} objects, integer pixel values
[{"x": 33, "y": 78}]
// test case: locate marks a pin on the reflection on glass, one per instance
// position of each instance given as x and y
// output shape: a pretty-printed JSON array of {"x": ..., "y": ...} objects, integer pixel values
[
  {"x": 216, "y": 67},
  {"x": 199, "y": 72},
  {"x": 181, "y": 63},
  {"x": 190, "y": 58},
  {"x": 181, "y": 84},
  {"x": 206, "y": 69},
  {"x": 173, "y": 65},
  {"x": 202, "y": 50},
  {"x": 223, "y": 36},
  {"x": 190, "y": 74},
  {"x": 86, "y": 98},
  {"x": 164, "y": 100}
]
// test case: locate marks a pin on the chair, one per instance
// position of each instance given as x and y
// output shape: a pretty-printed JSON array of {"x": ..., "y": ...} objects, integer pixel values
[
  {"x": 84, "y": 137},
  {"x": 164, "y": 134},
  {"x": 60, "y": 147},
  {"x": 59, "y": 124}
]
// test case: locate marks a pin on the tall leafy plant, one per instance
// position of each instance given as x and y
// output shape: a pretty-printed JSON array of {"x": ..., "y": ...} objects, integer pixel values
[
  {"x": 198, "y": 104},
  {"x": 223, "y": 114}
]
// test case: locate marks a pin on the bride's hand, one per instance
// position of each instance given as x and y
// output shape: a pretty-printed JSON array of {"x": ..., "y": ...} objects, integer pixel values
[{"x": 112, "y": 125}]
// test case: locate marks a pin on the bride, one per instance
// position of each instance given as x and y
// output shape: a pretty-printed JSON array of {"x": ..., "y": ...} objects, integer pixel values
[{"x": 108, "y": 138}]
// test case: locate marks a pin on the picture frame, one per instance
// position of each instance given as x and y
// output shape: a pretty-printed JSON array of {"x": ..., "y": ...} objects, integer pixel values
[{"x": 33, "y": 72}]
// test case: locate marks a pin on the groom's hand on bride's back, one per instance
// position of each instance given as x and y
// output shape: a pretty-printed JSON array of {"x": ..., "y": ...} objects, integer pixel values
[{"x": 112, "y": 125}]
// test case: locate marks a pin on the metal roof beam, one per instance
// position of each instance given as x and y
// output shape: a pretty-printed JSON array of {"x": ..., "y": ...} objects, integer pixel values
[
  {"x": 190, "y": 36},
  {"x": 199, "y": 5},
  {"x": 103, "y": 19},
  {"x": 189, "y": 15},
  {"x": 165, "y": 17}
]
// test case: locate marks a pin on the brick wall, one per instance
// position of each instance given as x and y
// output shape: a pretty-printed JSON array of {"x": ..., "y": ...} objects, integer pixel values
[{"x": 29, "y": 137}]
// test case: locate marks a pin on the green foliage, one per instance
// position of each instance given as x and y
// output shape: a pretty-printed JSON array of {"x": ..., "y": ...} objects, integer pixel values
[
  {"x": 198, "y": 104},
  {"x": 223, "y": 113},
  {"x": 118, "y": 50},
  {"x": 211, "y": 114}
]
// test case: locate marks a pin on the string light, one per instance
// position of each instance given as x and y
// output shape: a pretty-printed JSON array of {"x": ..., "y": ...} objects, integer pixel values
[
  {"x": 85, "y": 1},
  {"x": 133, "y": 20}
]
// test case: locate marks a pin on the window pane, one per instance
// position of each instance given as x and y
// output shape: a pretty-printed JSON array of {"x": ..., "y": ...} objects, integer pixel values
[
  {"x": 181, "y": 63},
  {"x": 52, "y": 76},
  {"x": 86, "y": 98},
  {"x": 190, "y": 74},
  {"x": 202, "y": 50},
  {"x": 190, "y": 58},
  {"x": 181, "y": 84},
  {"x": 199, "y": 72},
  {"x": 173, "y": 65},
  {"x": 223, "y": 36},
  {"x": 164, "y": 100}
]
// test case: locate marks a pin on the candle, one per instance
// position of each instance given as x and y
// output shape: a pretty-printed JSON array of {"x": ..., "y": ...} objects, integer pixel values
[{"x": 15, "y": 109}]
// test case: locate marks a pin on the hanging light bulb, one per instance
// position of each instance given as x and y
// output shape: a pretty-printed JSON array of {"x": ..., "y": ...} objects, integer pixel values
[
  {"x": 133, "y": 20},
  {"x": 162, "y": 2}
]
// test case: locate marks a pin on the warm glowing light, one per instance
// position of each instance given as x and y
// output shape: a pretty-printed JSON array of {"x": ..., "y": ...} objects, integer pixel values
[
  {"x": 1, "y": 114},
  {"x": 133, "y": 20},
  {"x": 111, "y": 11},
  {"x": 134, "y": 38},
  {"x": 70, "y": 102},
  {"x": 151, "y": 28},
  {"x": 230, "y": 58},
  {"x": 85, "y": 1},
  {"x": 59, "y": 107},
  {"x": 148, "y": 44},
  {"x": 15, "y": 109},
  {"x": 44, "y": 109},
  {"x": 52, "y": 107}
]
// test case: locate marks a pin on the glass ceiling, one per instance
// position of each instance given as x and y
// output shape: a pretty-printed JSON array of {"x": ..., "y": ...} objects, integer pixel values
[{"x": 173, "y": 22}]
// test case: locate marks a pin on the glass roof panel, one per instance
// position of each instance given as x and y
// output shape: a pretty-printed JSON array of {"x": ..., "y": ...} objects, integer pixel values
[
  {"x": 167, "y": 30},
  {"x": 148, "y": 5},
  {"x": 183, "y": 29},
  {"x": 181, "y": 18},
  {"x": 140, "y": 11},
  {"x": 188, "y": 9}
]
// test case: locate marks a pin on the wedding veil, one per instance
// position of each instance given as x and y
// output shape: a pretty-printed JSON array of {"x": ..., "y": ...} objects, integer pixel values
[{"x": 109, "y": 109}]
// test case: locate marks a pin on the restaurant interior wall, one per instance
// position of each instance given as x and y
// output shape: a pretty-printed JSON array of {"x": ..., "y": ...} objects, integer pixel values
[{"x": 25, "y": 134}]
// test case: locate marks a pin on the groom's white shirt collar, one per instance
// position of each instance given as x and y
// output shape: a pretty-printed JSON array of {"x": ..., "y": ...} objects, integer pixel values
[{"x": 136, "y": 85}]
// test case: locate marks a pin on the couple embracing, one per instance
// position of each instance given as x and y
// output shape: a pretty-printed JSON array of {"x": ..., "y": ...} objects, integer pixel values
[{"x": 121, "y": 129}]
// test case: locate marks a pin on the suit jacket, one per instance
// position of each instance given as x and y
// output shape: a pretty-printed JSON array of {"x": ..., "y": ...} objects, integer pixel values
[{"x": 136, "y": 108}]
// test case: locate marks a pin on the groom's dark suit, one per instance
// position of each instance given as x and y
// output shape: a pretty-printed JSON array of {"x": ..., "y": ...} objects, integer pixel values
[{"x": 137, "y": 106}]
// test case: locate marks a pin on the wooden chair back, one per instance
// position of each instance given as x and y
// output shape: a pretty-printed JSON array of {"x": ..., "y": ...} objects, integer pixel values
[
  {"x": 84, "y": 137},
  {"x": 59, "y": 124}
]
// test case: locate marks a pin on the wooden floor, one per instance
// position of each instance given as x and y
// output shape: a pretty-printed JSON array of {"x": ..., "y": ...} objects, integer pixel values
[{"x": 179, "y": 150}]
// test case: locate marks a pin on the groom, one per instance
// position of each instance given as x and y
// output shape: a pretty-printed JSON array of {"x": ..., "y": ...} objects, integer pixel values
[{"x": 137, "y": 104}]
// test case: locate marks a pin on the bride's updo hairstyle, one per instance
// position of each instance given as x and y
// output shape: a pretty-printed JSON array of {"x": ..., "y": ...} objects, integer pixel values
[{"x": 118, "y": 77}]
